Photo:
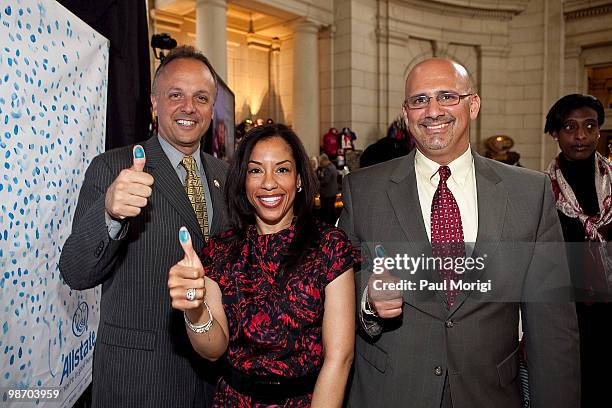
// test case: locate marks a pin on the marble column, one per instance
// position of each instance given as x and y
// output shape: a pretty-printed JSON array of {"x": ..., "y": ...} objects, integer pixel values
[
  {"x": 490, "y": 83},
  {"x": 554, "y": 44},
  {"x": 211, "y": 34},
  {"x": 306, "y": 109},
  {"x": 274, "y": 108}
]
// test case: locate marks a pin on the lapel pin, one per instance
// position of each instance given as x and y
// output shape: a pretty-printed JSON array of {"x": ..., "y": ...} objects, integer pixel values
[{"x": 216, "y": 183}]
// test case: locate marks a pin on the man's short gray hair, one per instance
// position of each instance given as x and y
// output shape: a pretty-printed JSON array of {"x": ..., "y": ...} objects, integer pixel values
[{"x": 183, "y": 52}]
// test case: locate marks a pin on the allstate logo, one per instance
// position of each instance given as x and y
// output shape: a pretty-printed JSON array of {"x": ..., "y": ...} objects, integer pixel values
[{"x": 79, "y": 320}]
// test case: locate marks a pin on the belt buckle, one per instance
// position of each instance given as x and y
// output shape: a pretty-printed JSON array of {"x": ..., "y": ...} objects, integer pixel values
[{"x": 267, "y": 383}]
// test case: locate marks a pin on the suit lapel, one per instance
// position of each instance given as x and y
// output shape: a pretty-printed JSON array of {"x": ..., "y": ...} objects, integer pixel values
[
  {"x": 215, "y": 181},
  {"x": 404, "y": 197},
  {"x": 168, "y": 185},
  {"x": 492, "y": 202}
]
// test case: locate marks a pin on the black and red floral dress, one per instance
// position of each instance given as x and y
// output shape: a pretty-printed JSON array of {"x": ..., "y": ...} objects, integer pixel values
[{"x": 275, "y": 319}]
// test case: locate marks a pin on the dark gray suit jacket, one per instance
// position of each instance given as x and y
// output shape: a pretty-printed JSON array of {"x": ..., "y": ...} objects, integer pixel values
[
  {"x": 476, "y": 342},
  {"x": 142, "y": 355}
]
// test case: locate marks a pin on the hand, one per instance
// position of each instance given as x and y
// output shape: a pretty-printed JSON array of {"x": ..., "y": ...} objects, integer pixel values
[
  {"x": 131, "y": 189},
  {"x": 387, "y": 303},
  {"x": 187, "y": 274}
]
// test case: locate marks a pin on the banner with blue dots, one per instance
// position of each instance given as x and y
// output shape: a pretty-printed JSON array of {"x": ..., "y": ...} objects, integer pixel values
[{"x": 53, "y": 85}]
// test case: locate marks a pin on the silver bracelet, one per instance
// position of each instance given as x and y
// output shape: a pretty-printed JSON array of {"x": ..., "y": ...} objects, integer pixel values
[
  {"x": 365, "y": 304},
  {"x": 200, "y": 328}
]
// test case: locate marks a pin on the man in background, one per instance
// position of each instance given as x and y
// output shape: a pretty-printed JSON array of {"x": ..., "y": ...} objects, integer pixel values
[{"x": 328, "y": 188}]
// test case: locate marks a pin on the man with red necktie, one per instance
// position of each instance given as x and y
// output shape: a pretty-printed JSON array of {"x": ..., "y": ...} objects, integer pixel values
[{"x": 453, "y": 342}]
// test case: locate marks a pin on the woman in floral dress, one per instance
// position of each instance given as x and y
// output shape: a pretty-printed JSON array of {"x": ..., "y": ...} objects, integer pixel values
[{"x": 275, "y": 294}]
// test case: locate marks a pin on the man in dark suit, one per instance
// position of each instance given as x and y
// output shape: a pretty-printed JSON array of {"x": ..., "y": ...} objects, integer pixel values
[
  {"x": 124, "y": 236},
  {"x": 441, "y": 345}
]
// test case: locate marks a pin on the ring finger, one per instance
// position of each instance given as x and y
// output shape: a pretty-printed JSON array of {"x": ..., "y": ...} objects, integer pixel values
[{"x": 181, "y": 294}]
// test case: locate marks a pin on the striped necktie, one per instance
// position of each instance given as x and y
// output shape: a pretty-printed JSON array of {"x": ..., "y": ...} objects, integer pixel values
[{"x": 195, "y": 192}]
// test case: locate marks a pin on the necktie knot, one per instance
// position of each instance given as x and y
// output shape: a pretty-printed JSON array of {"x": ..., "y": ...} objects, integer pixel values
[
  {"x": 444, "y": 172},
  {"x": 189, "y": 164}
]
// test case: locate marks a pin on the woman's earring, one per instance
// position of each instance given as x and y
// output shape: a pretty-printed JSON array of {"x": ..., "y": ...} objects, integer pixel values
[{"x": 299, "y": 190}]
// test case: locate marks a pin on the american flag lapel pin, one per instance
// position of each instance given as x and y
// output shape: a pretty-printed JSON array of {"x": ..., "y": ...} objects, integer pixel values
[{"x": 216, "y": 183}]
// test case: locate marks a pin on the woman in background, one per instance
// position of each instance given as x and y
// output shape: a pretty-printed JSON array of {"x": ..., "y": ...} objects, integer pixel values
[
  {"x": 278, "y": 291},
  {"x": 582, "y": 184}
]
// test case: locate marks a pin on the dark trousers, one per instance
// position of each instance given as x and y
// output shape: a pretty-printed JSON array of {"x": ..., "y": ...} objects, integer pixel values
[{"x": 596, "y": 355}]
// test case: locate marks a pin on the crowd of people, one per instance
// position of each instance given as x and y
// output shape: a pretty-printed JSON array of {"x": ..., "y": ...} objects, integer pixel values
[{"x": 220, "y": 288}]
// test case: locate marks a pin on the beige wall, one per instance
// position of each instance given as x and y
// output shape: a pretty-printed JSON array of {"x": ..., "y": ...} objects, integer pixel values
[
  {"x": 286, "y": 80},
  {"x": 247, "y": 75},
  {"x": 523, "y": 56},
  {"x": 518, "y": 57},
  {"x": 588, "y": 43},
  {"x": 523, "y": 119}
]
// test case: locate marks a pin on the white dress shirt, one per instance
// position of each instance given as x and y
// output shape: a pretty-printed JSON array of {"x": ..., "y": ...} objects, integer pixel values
[{"x": 462, "y": 183}]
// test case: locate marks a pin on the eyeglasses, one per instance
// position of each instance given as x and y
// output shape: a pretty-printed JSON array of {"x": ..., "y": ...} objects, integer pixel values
[{"x": 443, "y": 99}]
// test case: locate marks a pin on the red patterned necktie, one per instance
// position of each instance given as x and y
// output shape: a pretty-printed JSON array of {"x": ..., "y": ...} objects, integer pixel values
[{"x": 446, "y": 231}]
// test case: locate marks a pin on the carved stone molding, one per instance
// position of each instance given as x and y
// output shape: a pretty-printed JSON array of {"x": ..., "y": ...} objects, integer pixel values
[
  {"x": 493, "y": 51},
  {"x": 572, "y": 51},
  {"x": 503, "y": 10},
  {"x": 579, "y": 9},
  {"x": 439, "y": 48},
  {"x": 384, "y": 35}
]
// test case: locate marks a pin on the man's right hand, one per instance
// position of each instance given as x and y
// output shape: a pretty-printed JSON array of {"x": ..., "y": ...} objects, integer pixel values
[
  {"x": 131, "y": 190},
  {"x": 387, "y": 303}
]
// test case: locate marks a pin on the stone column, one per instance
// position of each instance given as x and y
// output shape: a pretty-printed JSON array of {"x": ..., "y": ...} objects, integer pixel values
[
  {"x": 554, "y": 45},
  {"x": 274, "y": 81},
  {"x": 306, "y": 113},
  {"x": 574, "y": 70},
  {"x": 211, "y": 34},
  {"x": 490, "y": 82}
]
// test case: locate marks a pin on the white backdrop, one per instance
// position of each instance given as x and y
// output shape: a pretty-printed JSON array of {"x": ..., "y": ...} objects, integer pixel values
[{"x": 53, "y": 73}]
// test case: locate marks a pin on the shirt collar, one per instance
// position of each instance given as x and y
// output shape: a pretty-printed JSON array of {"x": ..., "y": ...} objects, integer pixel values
[
  {"x": 460, "y": 167},
  {"x": 176, "y": 156}
]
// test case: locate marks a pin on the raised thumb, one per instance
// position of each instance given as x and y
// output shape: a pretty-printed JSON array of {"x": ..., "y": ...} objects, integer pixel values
[
  {"x": 190, "y": 254},
  {"x": 139, "y": 158}
]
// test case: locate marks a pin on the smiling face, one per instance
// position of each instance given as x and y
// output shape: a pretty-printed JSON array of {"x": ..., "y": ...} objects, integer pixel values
[
  {"x": 184, "y": 103},
  {"x": 271, "y": 184},
  {"x": 579, "y": 134},
  {"x": 442, "y": 133}
]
